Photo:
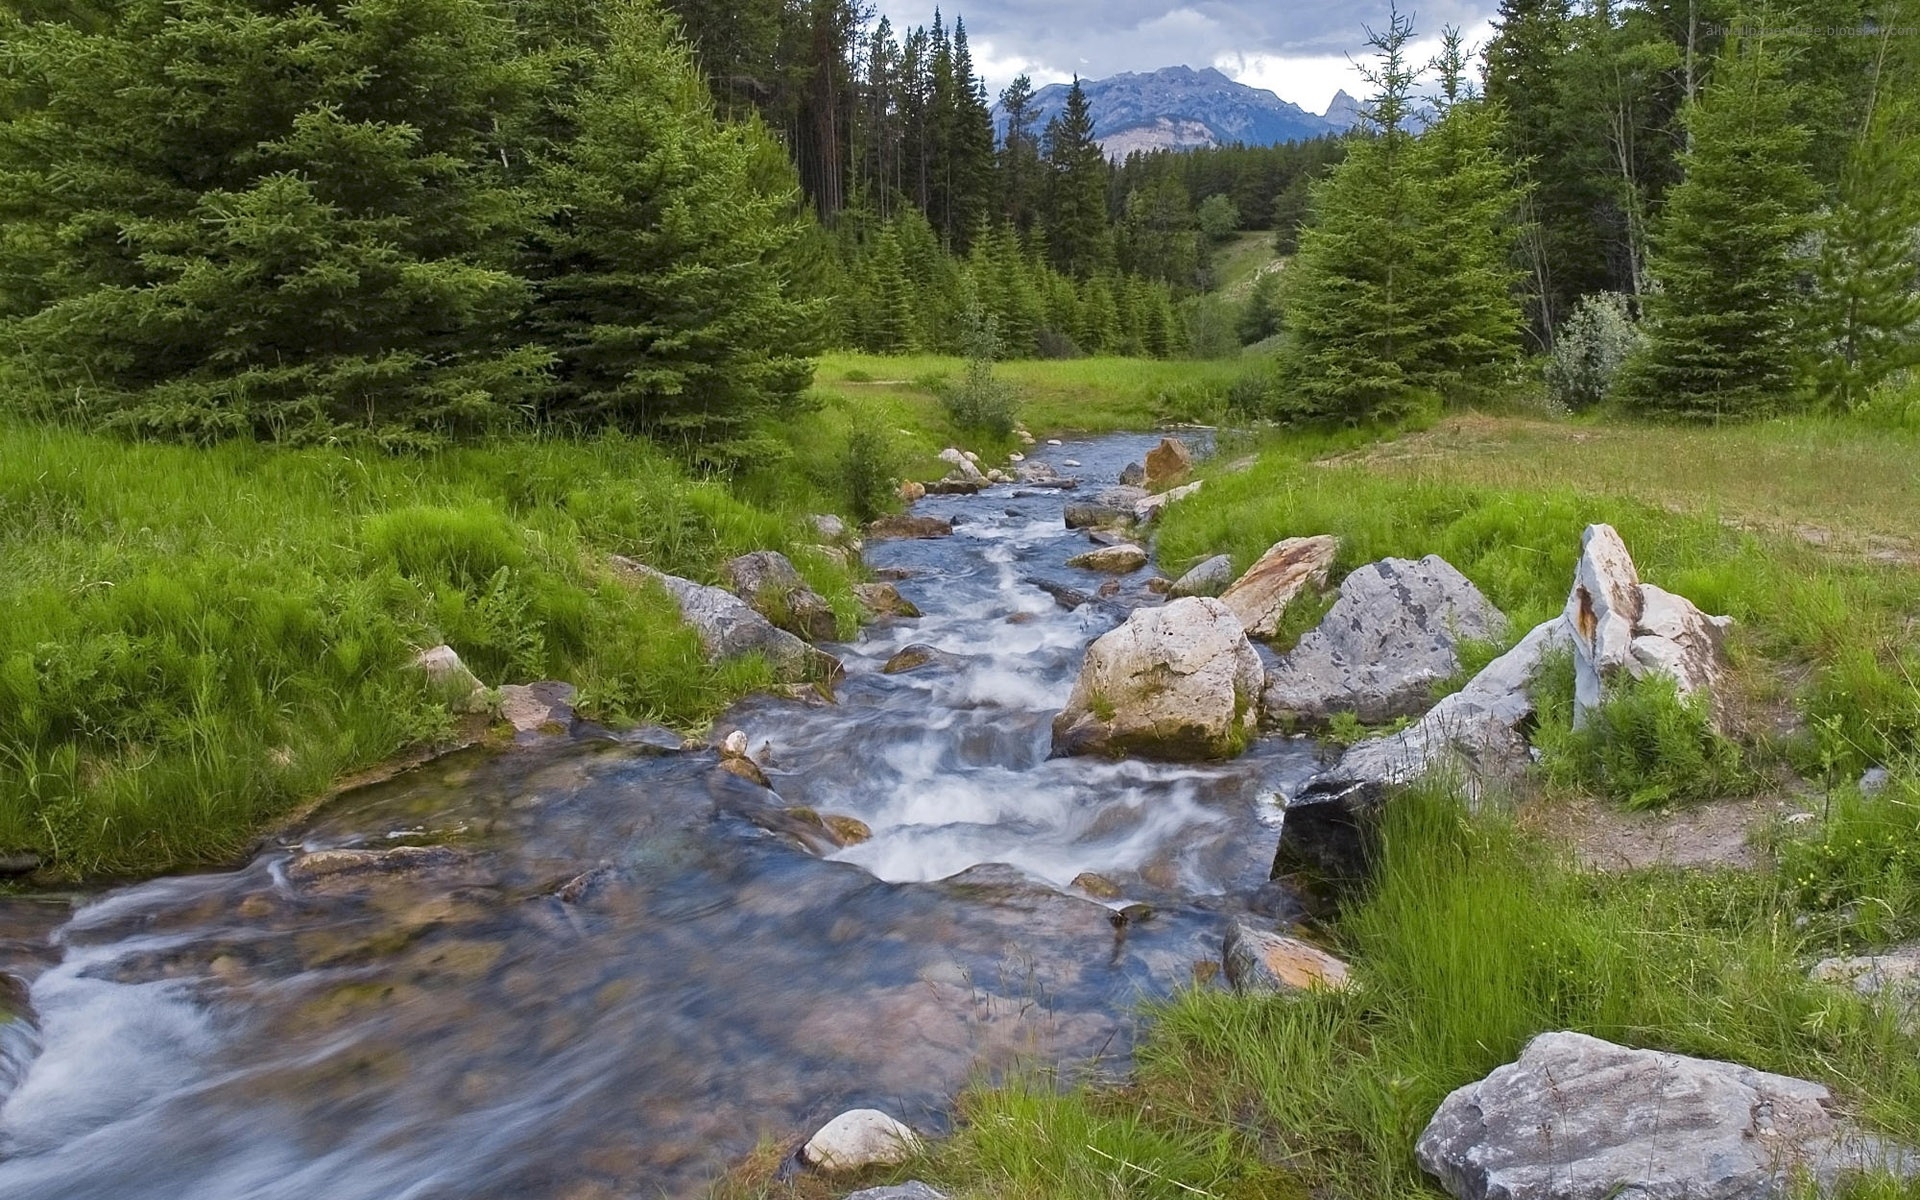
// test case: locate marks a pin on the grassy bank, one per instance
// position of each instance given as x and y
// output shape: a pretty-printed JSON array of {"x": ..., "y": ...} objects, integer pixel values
[{"x": 196, "y": 639}]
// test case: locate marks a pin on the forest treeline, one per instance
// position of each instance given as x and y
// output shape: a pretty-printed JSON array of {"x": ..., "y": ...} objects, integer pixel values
[{"x": 418, "y": 220}]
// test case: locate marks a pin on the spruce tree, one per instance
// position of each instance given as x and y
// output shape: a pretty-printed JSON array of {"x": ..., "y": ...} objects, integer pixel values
[
  {"x": 1351, "y": 292},
  {"x": 1866, "y": 303},
  {"x": 659, "y": 262},
  {"x": 1076, "y": 216},
  {"x": 1463, "y": 266},
  {"x": 1724, "y": 319},
  {"x": 243, "y": 217}
]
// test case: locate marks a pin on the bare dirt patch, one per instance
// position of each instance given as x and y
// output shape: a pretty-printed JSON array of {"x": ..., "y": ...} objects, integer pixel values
[{"x": 1606, "y": 837}]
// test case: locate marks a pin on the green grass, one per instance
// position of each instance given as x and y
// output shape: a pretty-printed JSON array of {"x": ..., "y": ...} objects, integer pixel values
[
  {"x": 1084, "y": 395},
  {"x": 1237, "y": 262},
  {"x": 198, "y": 639}
]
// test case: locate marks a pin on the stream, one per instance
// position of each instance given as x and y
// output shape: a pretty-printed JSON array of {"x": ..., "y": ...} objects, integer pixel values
[{"x": 710, "y": 978}]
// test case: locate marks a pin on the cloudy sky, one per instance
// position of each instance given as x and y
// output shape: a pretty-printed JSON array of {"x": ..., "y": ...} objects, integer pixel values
[{"x": 1299, "y": 50}]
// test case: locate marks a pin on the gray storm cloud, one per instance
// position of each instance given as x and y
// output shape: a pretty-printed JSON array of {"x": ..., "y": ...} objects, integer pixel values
[{"x": 1097, "y": 38}]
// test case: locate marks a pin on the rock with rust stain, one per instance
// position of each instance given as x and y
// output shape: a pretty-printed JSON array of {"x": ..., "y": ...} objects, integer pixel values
[
  {"x": 1261, "y": 596},
  {"x": 1259, "y": 961},
  {"x": 1168, "y": 464}
]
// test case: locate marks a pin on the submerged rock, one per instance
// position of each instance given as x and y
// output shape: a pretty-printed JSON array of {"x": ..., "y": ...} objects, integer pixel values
[
  {"x": 1210, "y": 578},
  {"x": 1392, "y": 635},
  {"x": 1175, "y": 682},
  {"x": 770, "y": 584},
  {"x": 899, "y": 527},
  {"x": 1260, "y": 597},
  {"x": 919, "y": 655},
  {"x": 1168, "y": 463},
  {"x": 1259, "y": 961},
  {"x": 884, "y": 600},
  {"x": 1578, "y": 1118},
  {"x": 856, "y": 1140},
  {"x": 332, "y": 864},
  {"x": 729, "y": 629},
  {"x": 1114, "y": 560}
]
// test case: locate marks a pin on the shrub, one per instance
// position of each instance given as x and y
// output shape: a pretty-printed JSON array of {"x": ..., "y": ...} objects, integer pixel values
[
  {"x": 868, "y": 465},
  {"x": 1591, "y": 348},
  {"x": 980, "y": 401},
  {"x": 1645, "y": 747}
]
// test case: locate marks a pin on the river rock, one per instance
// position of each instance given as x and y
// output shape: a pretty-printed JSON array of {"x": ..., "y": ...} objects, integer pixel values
[
  {"x": 912, "y": 490},
  {"x": 1891, "y": 977},
  {"x": 1093, "y": 515},
  {"x": 1623, "y": 627},
  {"x": 899, "y": 527},
  {"x": 18, "y": 862},
  {"x": 1476, "y": 731},
  {"x": 919, "y": 655},
  {"x": 829, "y": 527},
  {"x": 1168, "y": 463},
  {"x": 1149, "y": 508},
  {"x": 1261, "y": 596},
  {"x": 884, "y": 600},
  {"x": 729, "y": 629},
  {"x": 544, "y": 707},
  {"x": 1175, "y": 682},
  {"x": 1113, "y": 560},
  {"x": 1133, "y": 475},
  {"x": 913, "y": 1189},
  {"x": 449, "y": 675},
  {"x": 964, "y": 465},
  {"x": 1577, "y": 1118},
  {"x": 768, "y": 581},
  {"x": 1260, "y": 961},
  {"x": 1392, "y": 635},
  {"x": 1210, "y": 578},
  {"x": 331, "y": 864},
  {"x": 856, "y": 1140}
]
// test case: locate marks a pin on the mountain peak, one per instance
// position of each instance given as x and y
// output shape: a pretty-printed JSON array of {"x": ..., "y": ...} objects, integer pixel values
[{"x": 1181, "y": 107}]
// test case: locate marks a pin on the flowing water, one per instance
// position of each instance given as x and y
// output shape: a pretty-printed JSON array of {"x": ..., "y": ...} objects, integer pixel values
[{"x": 713, "y": 976}]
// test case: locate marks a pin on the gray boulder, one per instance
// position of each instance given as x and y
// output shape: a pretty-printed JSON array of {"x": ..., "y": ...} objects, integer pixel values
[
  {"x": 829, "y": 527},
  {"x": 911, "y": 1190},
  {"x": 1133, "y": 475},
  {"x": 1392, "y": 635},
  {"x": 1476, "y": 732},
  {"x": 1891, "y": 978},
  {"x": 770, "y": 584},
  {"x": 1577, "y": 1118},
  {"x": 1210, "y": 578},
  {"x": 1175, "y": 682},
  {"x": 545, "y": 707},
  {"x": 728, "y": 629},
  {"x": 1088, "y": 515}
]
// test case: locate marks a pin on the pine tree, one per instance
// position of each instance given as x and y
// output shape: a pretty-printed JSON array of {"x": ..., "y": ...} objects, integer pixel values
[
  {"x": 1020, "y": 156},
  {"x": 1470, "y": 321},
  {"x": 1350, "y": 293},
  {"x": 1076, "y": 220},
  {"x": 659, "y": 264},
  {"x": 1866, "y": 301},
  {"x": 1723, "y": 321},
  {"x": 243, "y": 217}
]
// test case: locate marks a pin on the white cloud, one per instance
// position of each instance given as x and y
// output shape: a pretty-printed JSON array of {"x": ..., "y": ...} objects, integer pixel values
[{"x": 1311, "y": 80}]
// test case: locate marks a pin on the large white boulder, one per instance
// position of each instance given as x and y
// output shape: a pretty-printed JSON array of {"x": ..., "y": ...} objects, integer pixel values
[
  {"x": 1175, "y": 682},
  {"x": 1624, "y": 628},
  {"x": 1392, "y": 635},
  {"x": 1261, "y": 596},
  {"x": 1578, "y": 1118}
]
